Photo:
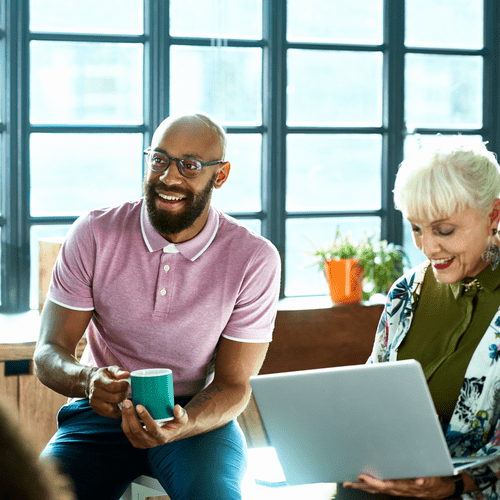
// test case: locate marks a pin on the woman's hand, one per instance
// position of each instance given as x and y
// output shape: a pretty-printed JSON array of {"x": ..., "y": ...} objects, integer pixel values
[{"x": 422, "y": 487}]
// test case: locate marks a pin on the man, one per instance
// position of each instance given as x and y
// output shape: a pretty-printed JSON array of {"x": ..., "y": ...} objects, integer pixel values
[{"x": 167, "y": 281}]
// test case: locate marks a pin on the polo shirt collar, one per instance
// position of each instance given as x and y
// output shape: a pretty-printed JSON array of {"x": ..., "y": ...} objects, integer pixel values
[{"x": 190, "y": 249}]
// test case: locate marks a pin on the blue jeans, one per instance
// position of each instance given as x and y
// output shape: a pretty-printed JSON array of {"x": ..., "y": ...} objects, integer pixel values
[{"x": 96, "y": 454}]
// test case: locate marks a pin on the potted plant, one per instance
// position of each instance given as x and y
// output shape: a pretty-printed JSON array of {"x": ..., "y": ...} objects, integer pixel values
[{"x": 357, "y": 271}]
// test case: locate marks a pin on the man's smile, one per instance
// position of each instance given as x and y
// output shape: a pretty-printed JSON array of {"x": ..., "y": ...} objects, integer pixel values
[{"x": 170, "y": 197}]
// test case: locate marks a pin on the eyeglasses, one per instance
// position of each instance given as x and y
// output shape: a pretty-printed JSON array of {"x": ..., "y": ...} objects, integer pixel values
[{"x": 159, "y": 162}]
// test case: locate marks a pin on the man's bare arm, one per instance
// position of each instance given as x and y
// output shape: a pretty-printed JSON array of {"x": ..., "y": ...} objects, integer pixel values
[
  {"x": 58, "y": 368},
  {"x": 55, "y": 355}
]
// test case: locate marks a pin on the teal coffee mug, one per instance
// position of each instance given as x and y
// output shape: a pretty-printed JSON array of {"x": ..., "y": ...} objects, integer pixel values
[{"x": 153, "y": 388}]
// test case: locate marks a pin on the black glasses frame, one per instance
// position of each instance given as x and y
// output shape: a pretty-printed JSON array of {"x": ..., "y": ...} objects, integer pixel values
[{"x": 182, "y": 167}]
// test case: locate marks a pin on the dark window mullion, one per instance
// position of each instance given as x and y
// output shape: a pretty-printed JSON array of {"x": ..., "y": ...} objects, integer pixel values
[
  {"x": 491, "y": 75},
  {"x": 258, "y": 129},
  {"x": 159, "y": 88},
  {"x": 208, "y": 42},
  {"x": 52, "y": 220},
  {"x": 87, "y": 129},
  {"x": 86, "y": 38},
  {"x": 338, "y": 47},
  {"x": 393, "y": 115},
  {"x": 149, "y": 70},
  {"x": 438, "y": 51},
  {"x": 15, "y": 234},
  {"x": 274, "y": 119}
]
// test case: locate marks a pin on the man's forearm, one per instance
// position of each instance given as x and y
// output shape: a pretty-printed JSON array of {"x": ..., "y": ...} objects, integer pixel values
[
  {"x": 60, "y": 371},
  {"x": 216, "y": 406}
]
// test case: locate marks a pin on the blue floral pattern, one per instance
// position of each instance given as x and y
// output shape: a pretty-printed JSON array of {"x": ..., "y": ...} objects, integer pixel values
[{"x": 474, "y": 428}]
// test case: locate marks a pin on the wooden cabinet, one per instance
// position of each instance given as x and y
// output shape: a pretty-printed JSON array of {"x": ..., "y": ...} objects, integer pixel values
[{"x": 33, "y": 404}]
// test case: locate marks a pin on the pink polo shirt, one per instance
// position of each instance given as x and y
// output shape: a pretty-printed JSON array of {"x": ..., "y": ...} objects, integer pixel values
[{"x": 159, "y": 304}]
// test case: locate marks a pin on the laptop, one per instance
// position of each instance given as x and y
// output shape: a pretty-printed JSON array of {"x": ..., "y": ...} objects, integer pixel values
[{"x": 333, "y": 424}]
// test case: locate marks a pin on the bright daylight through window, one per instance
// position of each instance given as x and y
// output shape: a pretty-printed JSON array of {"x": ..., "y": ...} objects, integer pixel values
[{"x": 321, "y": 101}]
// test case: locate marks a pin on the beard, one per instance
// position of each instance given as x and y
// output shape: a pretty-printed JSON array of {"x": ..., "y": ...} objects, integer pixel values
[{"x": 167, "y": 223}]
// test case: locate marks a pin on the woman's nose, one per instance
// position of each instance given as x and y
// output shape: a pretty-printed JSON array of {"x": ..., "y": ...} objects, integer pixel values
[{"x": 430, "y": 244}]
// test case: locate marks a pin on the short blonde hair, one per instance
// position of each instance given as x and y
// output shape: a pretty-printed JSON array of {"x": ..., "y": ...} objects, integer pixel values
[{"x": 450, "y": 175}]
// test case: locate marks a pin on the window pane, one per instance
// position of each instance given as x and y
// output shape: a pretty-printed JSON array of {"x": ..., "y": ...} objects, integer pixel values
[
  {"x": 93, "y": 16},
  {"x": 414, "y": 142},
  {"x": 37, "y": 233},
  {"x": 447, "y": 23},
  {"x": 335, "y": 21},
  {"x": 3, "y": 174},
  {"x": 303, "y": 236},
  {"x": 333, "y": 172},
  {"x": 223, "y": 82},
  {"x": 1, "y": 259},
  {"x": 443, "y": 91},
  {"x": 253, "y": 224},
  {"x": 414, "y": 254},
  {"x": 329, "y": 88},
  {"x": 86, "y": 83},
  {"x": 241, "y": 192},
  {"x": 3, "y": 140},
  {"x": 216, "y": 18},
  {"x": 73, "y": 173},
  {"x": 3, "y": 76}
]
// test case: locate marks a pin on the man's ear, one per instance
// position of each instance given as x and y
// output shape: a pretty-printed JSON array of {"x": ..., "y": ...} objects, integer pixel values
[{"x": 223, "y": 175}]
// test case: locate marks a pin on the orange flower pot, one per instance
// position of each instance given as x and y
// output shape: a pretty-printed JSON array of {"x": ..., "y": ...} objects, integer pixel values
[{"x": 344, "y": 279}]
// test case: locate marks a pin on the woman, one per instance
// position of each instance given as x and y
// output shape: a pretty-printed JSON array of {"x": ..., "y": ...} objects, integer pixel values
[
  {"x": 446, "y": 312},
  {"x": 22, "y": 475}
]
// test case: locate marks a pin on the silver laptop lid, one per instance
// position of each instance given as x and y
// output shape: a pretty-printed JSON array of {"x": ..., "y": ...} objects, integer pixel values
[{"x": 331, "y": 425}]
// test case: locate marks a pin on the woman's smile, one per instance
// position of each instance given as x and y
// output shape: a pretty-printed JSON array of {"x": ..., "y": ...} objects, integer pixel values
[{"x": 442, "y": 263}]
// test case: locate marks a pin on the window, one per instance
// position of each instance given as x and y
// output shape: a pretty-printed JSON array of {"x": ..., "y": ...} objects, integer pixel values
[
  {"x": 321, "y": 101},
  {"x": 3, "y": 171},
  {"x": 335, "y": 62},
  {"x": 448, "y": 59}
]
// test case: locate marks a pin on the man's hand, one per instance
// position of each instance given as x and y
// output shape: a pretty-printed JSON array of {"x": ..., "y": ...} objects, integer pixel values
[
  {"x": 106, "y": 388},
  {"x": 149, "y": 434},
  {"x": 422, "y": 487},
  {"x": 216, "y": 405}
]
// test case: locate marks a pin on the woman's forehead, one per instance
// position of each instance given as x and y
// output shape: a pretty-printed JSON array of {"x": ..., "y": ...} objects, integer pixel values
[{"x": 428, "y": 219}]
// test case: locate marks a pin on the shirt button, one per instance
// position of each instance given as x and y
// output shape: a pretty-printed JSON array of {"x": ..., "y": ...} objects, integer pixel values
[
  {"x": 170, "y": 248},
  {"x": 163, "y": 291},
  {"x": 166, "y": 267}
]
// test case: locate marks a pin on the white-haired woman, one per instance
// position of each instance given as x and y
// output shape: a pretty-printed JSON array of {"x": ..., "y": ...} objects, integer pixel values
[{"x": 446, "y": 312}]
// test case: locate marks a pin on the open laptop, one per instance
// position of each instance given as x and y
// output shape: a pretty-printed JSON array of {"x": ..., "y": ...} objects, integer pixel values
[{"x": 333, "y": 424}]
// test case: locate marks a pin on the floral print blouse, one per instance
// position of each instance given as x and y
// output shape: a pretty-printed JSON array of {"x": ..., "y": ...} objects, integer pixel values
[{"x": 474, "y": 428}]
